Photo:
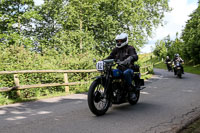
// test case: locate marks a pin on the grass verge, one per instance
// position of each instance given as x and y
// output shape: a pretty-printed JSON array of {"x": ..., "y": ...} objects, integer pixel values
[{"x": 194, "y": 127}]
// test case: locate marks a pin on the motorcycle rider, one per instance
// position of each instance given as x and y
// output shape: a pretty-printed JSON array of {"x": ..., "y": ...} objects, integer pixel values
[
  {"x": 125, "y": 55},
  {"x": 179, "y": 59},
  {"x": 167, "y": 63}
]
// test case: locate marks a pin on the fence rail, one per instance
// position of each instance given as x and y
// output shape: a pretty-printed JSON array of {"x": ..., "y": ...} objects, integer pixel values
[
  {"x": 47, "y": 71},
  {"x": 19, "y": 87}
]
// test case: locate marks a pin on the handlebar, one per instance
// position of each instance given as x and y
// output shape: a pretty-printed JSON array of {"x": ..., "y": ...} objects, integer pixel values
[{"x": 109, "y": 60}]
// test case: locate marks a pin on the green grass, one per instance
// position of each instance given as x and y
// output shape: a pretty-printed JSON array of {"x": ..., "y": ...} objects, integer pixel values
[
  {"x": 192, "y": 128},
  {"x": 192, "y": 69}
]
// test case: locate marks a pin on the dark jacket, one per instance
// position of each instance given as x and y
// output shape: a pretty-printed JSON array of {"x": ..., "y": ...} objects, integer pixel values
[
  {"x": 178, "y": 59},
  {"x": 167, "y": 60},
  {"x": 121, "y": 54}
]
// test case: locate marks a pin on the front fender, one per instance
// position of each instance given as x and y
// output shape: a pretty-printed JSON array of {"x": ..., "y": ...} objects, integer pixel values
[{"x": 99, "y": 78}]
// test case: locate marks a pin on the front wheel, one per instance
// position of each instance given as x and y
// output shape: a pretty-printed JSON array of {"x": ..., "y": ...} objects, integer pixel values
[
  {"x": 179, "y": 74},
  {"x": 98, "y": 102}
]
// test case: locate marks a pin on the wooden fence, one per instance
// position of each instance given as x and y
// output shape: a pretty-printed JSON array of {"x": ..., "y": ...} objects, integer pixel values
[{"x": 19, "y": 87}]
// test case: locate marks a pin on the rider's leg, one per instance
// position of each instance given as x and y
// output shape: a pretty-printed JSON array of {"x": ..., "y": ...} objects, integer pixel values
[
  {"x": 128, "y": 76},
  {"x": 168, "y": 67},
  {"x": 182, "y": 69}
]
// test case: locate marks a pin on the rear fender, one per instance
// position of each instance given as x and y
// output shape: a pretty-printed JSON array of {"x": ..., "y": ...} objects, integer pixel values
[{"x": 136, "y": 78}]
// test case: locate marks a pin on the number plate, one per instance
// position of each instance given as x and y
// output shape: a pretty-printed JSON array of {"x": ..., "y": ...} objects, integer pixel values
[{"x": 100, "y": 66}]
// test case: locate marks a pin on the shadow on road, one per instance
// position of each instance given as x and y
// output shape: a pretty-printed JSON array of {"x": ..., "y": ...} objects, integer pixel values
[{"x": 25, "y": 110}]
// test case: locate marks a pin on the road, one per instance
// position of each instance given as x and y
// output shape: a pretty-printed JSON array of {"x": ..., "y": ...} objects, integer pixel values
[{"x": 166, "y": 104}]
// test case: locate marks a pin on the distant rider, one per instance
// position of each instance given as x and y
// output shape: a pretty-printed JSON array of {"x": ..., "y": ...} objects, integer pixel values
[
  {"x": 168, "y": 63},
  {"x": 176, "y": 59}
]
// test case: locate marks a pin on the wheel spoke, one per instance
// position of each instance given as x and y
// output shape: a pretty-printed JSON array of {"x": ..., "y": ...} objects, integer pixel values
[{"x": 103, "y": 101}]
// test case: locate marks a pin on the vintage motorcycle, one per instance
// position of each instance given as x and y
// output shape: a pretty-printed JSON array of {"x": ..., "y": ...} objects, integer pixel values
[
  {"x": 108, "y": 89},
  {"x": 177, "y": 69}
]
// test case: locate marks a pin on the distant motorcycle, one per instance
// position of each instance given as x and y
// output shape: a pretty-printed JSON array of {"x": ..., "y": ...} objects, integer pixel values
[
  {"x": 108, "y": 89},
  {"x": 169, "y": 66},
  {"x": 178, "y": 69}
]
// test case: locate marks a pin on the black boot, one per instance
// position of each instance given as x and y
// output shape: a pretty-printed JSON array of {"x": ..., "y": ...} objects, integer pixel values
[
  {"x": 132, "y": 91},
  {"x": 131, "y": 88}
]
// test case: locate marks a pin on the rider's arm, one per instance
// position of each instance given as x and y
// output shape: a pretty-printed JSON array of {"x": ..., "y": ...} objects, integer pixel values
[
  {"x": 112, "y": 54},
  {"x": 181, "y": 60},
  {"x": 133, "y": 56}
]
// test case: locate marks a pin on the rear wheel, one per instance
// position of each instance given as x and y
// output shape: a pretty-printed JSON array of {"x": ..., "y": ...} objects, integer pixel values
[
  {"x": 98, "y": 102},
  {"x": 134, "y": 101}
]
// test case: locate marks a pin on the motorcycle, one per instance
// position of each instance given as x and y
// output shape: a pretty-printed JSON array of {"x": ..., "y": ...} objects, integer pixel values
[
  {"x": 178, "y": 69},
  {"x": 108, "y": 89},
  {"x": 169, "y": 66}
]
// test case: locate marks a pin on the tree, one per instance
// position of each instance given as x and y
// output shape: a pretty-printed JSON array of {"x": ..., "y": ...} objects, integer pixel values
[
  {"x": 12, "y": 23},
  {"x": 191, "y": 37},
  {"x": 45, "y": 24},
  {"x": 160, "y": 49},
  {"x": 93, "y": 25},
  {"x": 78, "y": 26}
]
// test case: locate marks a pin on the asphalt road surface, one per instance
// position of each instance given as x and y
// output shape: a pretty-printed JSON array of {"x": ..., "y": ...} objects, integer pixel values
[{"x": 166, "y": 104}]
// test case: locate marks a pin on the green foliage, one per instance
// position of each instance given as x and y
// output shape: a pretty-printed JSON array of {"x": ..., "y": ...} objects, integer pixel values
[
  {"x": 144, "y": 61},
  {"x": 103, "y": 19},
  {"x": 13, "y": 25},
  {"x": 188, "y": 46},
  {"x": 191, "y": 37},
  {"x": 18, "y": 58},
  {"x": 160, "y": 49},
  {"x": 79, "y": 25}
]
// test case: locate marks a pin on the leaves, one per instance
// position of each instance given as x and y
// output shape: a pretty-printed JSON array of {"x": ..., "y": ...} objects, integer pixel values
[{"x": 191, "y": 37}]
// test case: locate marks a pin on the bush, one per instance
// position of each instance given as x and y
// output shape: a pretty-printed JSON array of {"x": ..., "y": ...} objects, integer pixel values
[{"x": 16, "y": 58}]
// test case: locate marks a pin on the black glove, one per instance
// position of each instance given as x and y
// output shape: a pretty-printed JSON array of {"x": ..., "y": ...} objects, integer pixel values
[{"x": 126, "y": 61}]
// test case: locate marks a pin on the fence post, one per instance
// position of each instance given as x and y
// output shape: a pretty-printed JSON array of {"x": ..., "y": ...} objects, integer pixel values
[
  {"x": 16, "y": 80},
  {"x": 66, "y": 81}
]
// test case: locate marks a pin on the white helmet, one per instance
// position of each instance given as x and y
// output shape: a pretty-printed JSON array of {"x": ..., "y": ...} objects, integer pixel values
[
  {"x": 121, "y": 40},
  {"x": 176, "y": 55}
]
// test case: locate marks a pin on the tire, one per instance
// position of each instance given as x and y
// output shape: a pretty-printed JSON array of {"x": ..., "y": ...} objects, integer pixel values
[
  {"x": 134, "y": 101},
  {"x": 179, "y": 74},
  {"x": 95, "y": 97}
]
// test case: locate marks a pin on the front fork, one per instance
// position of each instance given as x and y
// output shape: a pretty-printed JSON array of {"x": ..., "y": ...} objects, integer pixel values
[{"x": 105, "y": 81}]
